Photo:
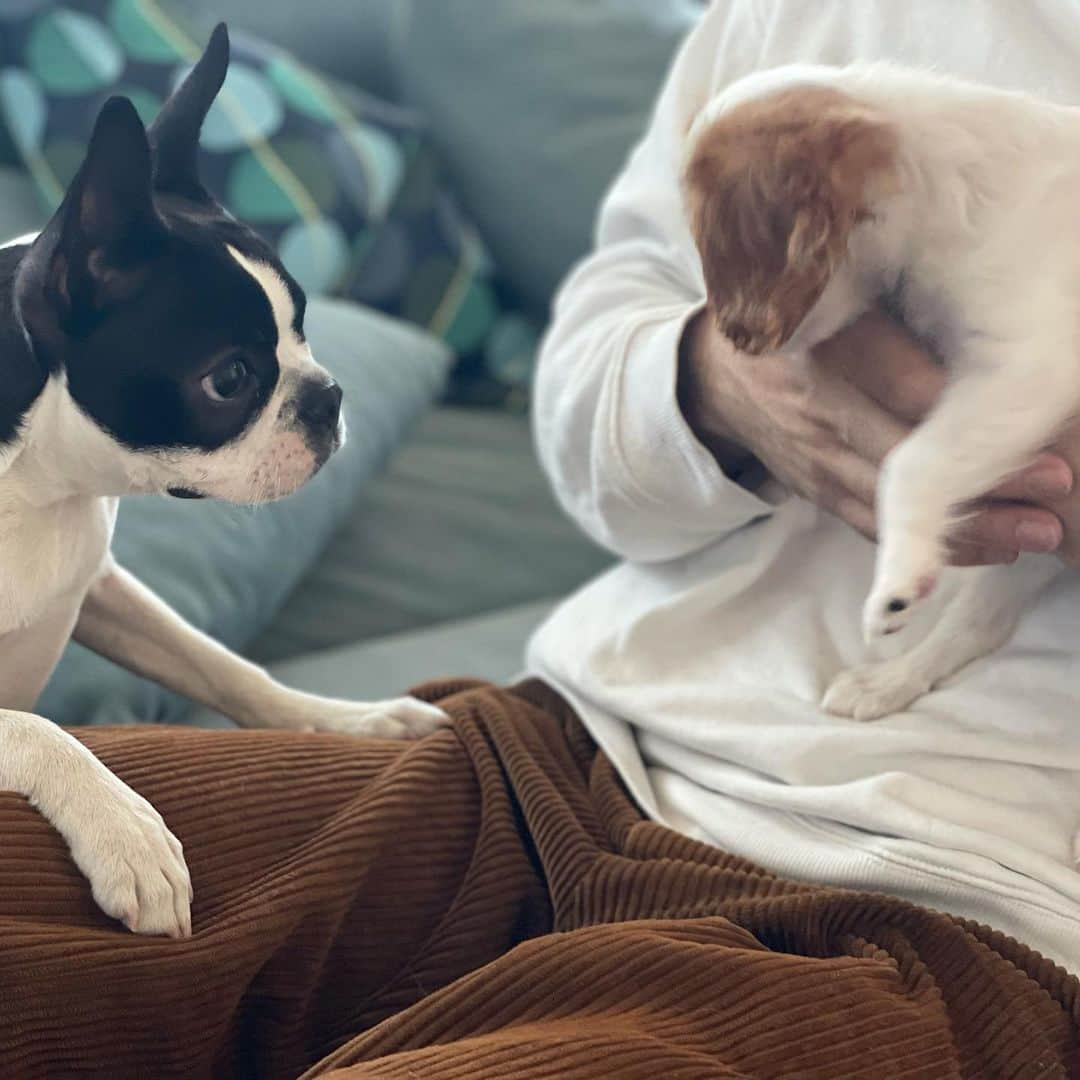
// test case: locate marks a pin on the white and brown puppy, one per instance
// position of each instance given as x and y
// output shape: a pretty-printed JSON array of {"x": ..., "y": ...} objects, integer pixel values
[
  {"x": 148, "y": 343},
  {"x": 813, "y": 192}
]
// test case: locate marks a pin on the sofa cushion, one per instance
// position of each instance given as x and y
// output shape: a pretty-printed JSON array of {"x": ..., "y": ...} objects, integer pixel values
[
  {"x": 227, "y": 569},
  {"x": 347, "y": 40},
  {"x": 20, "y": 209},
  {"x": 488, "y": 647},
  {"x": 535, "y": 107},
  {"x": 462, "y": 522}
]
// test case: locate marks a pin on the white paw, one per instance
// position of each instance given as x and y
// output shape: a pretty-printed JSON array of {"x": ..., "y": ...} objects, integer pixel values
[
  {"x": 907, "y": 573},
  {"x": 397, "y": 718},
  {"x": 871, "y": 691},
  {"x": 135, "y": 866}
]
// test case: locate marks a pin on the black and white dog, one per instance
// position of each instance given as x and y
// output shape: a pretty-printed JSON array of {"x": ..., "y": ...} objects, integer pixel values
[{"x": 149, "y": 342}]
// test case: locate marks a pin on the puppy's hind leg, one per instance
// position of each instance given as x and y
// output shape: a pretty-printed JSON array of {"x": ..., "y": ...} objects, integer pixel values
[
  {"x": 979, "y": 619},
  {"x": 992, "y": 419}
]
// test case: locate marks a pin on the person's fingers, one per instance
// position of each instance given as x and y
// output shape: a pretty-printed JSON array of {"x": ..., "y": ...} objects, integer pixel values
[
  {"x": 859, "y": 422},
  {"x": 977, "y": 548},
  {"x": 876, "y": 381},
  {"x": 1003, "y": 527},
  {"x": 1048, "y": 477},
  {"x": 847, "y": 475},
  {"x": 860, "y": 516},
  {"x": 877, "y": 355},
  {"x": 971, "y": 555},
  {"x": 995, "y": 536},
  {"x": 856, "y": 513}
]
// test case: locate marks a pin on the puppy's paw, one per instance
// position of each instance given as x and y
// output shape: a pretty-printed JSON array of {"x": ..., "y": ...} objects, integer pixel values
[
  {"x": 907, "y": 574},
  {"x": 397, "y": 718},
  {"x": 134, "y": 864},
  {"x": 872, "y": 691}
]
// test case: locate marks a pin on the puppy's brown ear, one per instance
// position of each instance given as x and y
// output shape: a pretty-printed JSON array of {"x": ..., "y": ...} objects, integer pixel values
[{"x": 773, "y": 189}]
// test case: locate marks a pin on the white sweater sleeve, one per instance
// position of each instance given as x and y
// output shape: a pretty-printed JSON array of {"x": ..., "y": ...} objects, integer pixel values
[{"x": 621, "y": 458}]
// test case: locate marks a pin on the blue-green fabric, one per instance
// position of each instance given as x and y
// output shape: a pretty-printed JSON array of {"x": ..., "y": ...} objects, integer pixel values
[
  {"x": 490, "y": 646},
  {"x": 227, "y": 569},
  {"x": 20, "y": 209},
  {"x": 535, "y": 105},
  {"x": 344, "y": 185},
  {"x": 8, "y": 154},
  {"x": 462, "y": 522},
  {"x": 349, "y": 39}
]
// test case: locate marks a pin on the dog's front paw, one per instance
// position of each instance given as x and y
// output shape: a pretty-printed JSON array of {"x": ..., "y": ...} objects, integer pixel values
[
  {"x": 134, "y": 864},
  {"x": 397, "y": 718},
  {"x": 872, "y": 691},
  {"x": 907, "y": 574}
]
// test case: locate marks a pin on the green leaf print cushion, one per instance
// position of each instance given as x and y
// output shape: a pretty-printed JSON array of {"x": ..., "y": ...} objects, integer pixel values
[{"x": 344, "y": 185}]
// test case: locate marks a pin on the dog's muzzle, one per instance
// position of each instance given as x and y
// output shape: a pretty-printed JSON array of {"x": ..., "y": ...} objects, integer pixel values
[{"x": 318, "y": 405}]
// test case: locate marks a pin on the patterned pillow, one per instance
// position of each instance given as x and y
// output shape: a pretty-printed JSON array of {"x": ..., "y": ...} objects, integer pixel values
[{"x": 344, "y": 185}]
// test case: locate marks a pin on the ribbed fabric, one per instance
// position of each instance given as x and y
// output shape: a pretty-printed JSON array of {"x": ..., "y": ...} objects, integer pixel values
[{"x": 486, "y": 903}]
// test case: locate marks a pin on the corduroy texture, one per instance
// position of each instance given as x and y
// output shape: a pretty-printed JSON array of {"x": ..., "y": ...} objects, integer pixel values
[{"x": 484, "y": 904}]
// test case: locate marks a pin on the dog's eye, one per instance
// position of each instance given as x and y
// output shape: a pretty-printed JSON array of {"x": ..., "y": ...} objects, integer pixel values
[{"x": 227, "y": 380}]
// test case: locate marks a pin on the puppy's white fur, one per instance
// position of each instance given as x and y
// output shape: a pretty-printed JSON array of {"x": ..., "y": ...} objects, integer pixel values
[
  {"x": 59, "y": 483},
  {"x": 976, "y": 241}
]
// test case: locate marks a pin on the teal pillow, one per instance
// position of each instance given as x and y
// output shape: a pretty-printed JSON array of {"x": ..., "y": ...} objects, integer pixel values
[
  {"x": 535, "y": 106},
  {"x": 20, "y": 211},
  {"x": 227, "y": 569},
  {"x": 345, "y": 186},
  {"x": 349, "y": 39}
]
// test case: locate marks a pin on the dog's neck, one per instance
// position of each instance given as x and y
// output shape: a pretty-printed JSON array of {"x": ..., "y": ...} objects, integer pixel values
[{"x": 59, "y": 455}]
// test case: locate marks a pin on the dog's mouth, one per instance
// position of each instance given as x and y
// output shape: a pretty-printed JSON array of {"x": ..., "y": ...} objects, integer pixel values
[{"x": 184, "y": 493}]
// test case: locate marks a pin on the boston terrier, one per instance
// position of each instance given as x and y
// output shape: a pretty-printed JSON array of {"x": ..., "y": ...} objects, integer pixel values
[{"x": 149, "y": 342}]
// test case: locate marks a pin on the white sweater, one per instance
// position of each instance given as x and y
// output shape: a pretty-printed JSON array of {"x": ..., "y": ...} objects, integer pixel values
[{"x": 698, "y": 663}]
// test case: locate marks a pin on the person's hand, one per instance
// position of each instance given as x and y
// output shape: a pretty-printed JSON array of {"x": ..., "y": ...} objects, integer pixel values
[
  {"x": 823, "y": 424},
  {"x": 1067, "y": 507}
]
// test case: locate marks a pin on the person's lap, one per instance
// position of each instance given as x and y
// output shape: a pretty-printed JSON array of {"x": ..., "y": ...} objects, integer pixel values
[{"x": 486, "y": 899}]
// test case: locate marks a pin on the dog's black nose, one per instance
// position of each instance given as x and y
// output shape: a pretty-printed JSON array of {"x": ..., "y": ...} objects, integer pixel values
[{"x": 319, "y": 404}]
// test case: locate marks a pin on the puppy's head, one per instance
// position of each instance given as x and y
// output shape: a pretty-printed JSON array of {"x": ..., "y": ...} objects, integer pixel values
[
  {"x": 774, "y": 187},
  {"x": 172, "y": 334}
]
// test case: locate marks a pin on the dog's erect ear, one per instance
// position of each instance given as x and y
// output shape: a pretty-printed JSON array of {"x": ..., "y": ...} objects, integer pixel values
[
  {"x": 94, "y": 250},
  {"x": 773, "y": 189},
  {"x": 174, "y": 134}
]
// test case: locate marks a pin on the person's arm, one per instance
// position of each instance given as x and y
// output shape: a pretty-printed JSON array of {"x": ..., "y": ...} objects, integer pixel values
[{"x": 622, "y": 458}]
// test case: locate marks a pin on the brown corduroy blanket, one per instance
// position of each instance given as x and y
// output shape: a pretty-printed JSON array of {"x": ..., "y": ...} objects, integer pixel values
[{"x": 486, "y": 903}]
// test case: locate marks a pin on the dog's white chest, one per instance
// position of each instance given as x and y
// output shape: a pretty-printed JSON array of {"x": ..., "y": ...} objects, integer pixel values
[{"x": 50, "y": 556}]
